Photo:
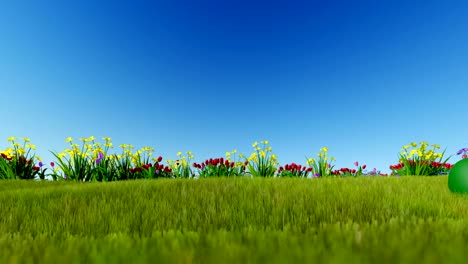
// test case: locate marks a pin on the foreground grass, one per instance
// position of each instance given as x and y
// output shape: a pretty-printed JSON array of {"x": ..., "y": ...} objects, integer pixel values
[{"x": 365, "y": 220}]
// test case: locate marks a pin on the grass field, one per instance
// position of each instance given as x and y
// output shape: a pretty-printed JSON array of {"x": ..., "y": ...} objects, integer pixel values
[{"x": 277, "y": 220}]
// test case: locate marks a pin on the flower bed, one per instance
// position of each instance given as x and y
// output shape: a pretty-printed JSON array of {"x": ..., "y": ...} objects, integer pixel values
[{"x": 93, "y": 162}]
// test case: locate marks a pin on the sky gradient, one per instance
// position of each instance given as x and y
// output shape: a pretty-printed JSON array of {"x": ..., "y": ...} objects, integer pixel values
[{"x": 363, "y": 78}]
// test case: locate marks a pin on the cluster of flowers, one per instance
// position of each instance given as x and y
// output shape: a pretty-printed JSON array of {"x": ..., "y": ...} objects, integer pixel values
[
  {"x": 92, "y": 162},
  {"x": 294, "y": 170}
]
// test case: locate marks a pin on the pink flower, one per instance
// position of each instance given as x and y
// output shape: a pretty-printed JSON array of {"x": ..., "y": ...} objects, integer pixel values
[{"x": 356, "y": 163}]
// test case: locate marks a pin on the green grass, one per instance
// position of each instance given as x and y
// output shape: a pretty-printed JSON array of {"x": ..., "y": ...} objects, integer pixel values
[{"x": 339, "y": 220}]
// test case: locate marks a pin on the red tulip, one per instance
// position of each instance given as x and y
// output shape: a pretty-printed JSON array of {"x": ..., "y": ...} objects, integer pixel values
[{"x": 159, "y": 159}]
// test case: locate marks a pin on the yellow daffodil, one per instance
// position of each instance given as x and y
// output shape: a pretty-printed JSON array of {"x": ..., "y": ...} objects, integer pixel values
[
  {"x": 241, "y": 155},
  {"x": 262, "y": 154},
  {"x": 265, "y": 142},
  {"x": 31, "y": 146},
  {"x": 255, "y": 144},
  {"x": 273, "y": 156},
  {"x": 69, "y": 139},
  {"x": 107, "y": 139},
  {"x": 413, "y": 144},
  {"x": 91, "y": 138},
  {"x": 179, "y": 153},
  {"x": 21, "y": 151},
  {"x": 436, "y": 146},
  {"x": 26, "y": 139},
  {"x": 324, "y": 149},
  {"x": 109, "y": 145},
  {"x": 16, "y": 145},
  {"x": 11, "y": 139},
  {"x": 234, "y": 151},
  {"x": 268, "y": 149},
  {"x": 124, "y": 146}
]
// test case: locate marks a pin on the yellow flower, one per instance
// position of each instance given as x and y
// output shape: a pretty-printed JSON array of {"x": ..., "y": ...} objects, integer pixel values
[
  {"x": 234, "y": 151},
  {"x": 320, "y": 155},
  {"x": 109, "y": 145},
  {"x": 257, "y": 149},
  {"x": 436, "y": 146},
  {"x": 262, "y": 154},
  {"x": 31, "y": 146},
  {"x": 255, "y": 144},
  {"x": 228, "y": 154},
  {"x": 265, "y": 142},
  {"x": 130, "y": 146},
  {"x": 413, "y": 144},
  {"x": 324, "y": 149},
  {"x": 38, "y": 158},
  {"x": 179, "y": 154},
  {"x": 333, "y": 159},
  {"x": 268, "y": 149},
  {"x": 11, "y": 139},
  {"x": 106, "y": 139},
  {"x": 189, "y": 153},
  {"x": 69, "y": 139},
  {"x": 124, "y": 146},
  {"x": 241, "y": 155},
  {"x": 21, "y": 151},
  {"x": 16, "y": 145},
  {"x": 310, "y": 161},
  {"x": 26, "y": 140},
  {"x": 91, "y": 138},
  {"x": 273, "y": 156},
  {"x": 406, "y": 147}
]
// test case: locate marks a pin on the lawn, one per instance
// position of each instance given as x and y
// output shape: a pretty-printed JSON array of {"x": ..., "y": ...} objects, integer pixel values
[{"x": 405, "y": 219}]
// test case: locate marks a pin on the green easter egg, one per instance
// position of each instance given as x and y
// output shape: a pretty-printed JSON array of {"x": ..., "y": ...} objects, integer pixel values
[{"x": 458, "y": 177}]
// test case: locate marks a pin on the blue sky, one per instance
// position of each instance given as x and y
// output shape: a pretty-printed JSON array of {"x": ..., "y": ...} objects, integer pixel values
[{"x": 363, "y": 78}]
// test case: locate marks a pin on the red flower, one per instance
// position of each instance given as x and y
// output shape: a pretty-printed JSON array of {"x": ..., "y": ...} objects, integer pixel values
[
  {"x": 364, "y": 166},
  {"x": 226, "y": 163},
  {"x": 52, "y": 164},
  {"x": 36, "y": 168},
  {"x": 159, "y": 159}
]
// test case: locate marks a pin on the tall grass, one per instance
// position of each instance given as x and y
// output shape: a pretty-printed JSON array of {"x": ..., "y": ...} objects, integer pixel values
[{"x": 368, "y": 220}]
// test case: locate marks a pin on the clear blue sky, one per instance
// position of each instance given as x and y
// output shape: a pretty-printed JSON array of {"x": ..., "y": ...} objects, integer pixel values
[{"x": 363, "y": 78}]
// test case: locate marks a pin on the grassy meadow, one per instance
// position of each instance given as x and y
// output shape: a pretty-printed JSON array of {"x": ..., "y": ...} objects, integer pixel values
[{"x": 234, "y": 220}]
